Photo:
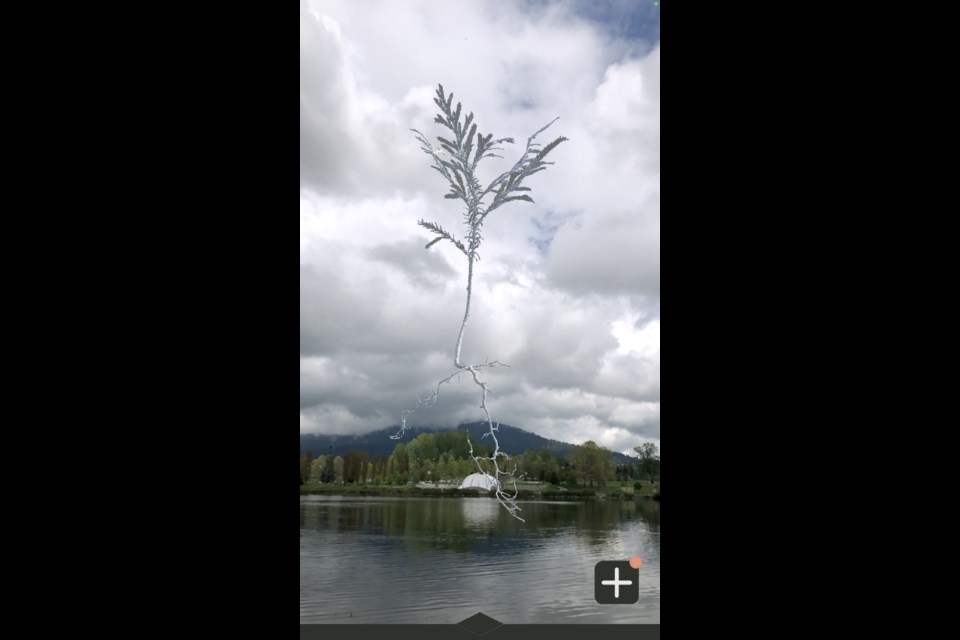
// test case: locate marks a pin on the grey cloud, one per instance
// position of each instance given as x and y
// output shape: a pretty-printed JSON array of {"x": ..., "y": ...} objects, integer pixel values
[
  {"x": 343, "y": 311},
  {"x": 325, "y": 147},
  {"x": 614, "y": 255},
  {"x": 424, "y": 268},
  {"x": 564, "y": 352},
  {"x": 379, "y": 315},
  {"x": 332, "y": 316}
]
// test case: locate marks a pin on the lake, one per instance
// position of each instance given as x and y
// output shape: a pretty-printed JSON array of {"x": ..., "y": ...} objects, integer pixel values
[{"x": 374, "y": 560}]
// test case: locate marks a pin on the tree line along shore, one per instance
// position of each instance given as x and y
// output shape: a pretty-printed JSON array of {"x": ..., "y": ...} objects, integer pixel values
[{"x": 434, "y": 464}]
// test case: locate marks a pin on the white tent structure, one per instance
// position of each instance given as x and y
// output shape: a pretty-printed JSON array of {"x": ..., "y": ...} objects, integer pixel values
[{"x": 479, "y": 481}]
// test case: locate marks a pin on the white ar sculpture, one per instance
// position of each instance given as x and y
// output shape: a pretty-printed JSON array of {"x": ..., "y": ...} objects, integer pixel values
[{"x": 456, "y": 160}]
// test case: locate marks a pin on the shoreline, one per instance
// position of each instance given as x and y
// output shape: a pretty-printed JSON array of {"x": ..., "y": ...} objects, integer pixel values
[{"x": 523, "y": 494}]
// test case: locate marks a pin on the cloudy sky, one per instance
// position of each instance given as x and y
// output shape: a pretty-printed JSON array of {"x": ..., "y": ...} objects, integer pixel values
[{"x": 568, "y": 289}]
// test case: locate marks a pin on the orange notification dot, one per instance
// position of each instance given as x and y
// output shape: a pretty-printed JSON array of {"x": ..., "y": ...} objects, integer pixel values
[{"x": 636, "y": 562}]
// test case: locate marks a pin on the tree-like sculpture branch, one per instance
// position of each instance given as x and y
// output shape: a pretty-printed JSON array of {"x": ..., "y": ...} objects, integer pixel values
[{"x": 456, "y": 160}]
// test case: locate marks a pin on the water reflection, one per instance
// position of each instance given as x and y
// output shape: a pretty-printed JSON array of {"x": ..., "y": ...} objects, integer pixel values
[
  {"x": 480, "y": 513},
  {"x": 437, "y": 558},
  {"x": 414, "y": 517}
]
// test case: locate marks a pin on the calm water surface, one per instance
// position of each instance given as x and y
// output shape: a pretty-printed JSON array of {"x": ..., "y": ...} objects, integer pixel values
[{"x": 441, "y": 560}]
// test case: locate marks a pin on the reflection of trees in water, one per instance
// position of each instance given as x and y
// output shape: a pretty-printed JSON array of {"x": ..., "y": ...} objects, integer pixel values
[
  {"x": 598, "y": 520},
  {"x": 651, "y": 513},
  {"x": 310, "y": 517},
  {"x": 476, "y": 525}
]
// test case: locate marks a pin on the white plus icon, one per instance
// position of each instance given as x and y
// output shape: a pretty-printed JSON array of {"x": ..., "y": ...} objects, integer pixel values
[{"x": 616, "y": 582}]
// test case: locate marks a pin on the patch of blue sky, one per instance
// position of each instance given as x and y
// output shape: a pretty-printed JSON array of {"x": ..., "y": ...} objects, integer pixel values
[
  {"x": 637, "y": 21},
  {"x": 546, "y": 230}
]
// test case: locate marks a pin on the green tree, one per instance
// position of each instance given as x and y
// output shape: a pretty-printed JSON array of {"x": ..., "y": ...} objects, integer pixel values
[
  {"x": 305, "y": 462},
  {"x": 649, "y": 460},
  {"x": 593, "y": 463}
]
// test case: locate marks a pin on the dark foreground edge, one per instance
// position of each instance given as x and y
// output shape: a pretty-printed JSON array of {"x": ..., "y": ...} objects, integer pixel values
[{"x": 500, "y": 632}]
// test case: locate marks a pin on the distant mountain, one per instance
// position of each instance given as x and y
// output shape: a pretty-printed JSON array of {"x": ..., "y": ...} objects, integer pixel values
[{"x": 513, "y": 441}]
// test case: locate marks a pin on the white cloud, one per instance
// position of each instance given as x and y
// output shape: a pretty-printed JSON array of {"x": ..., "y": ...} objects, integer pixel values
[{"x": 568, "y": 289}]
